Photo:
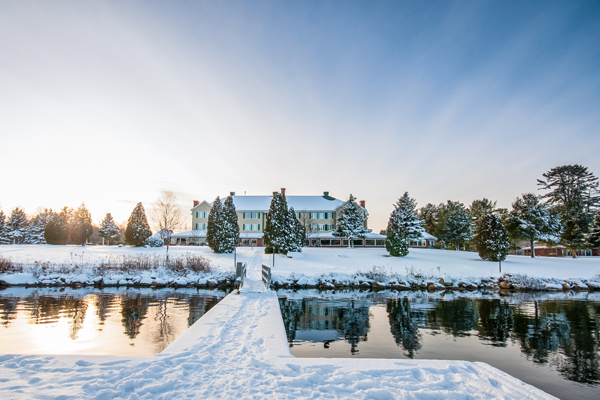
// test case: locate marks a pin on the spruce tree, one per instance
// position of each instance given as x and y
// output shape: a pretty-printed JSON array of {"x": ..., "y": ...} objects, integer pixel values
[
  {"x": 57, "y": 228},
  {"x": 299, "y": 232},
  {"x": 109, "y": 229},
  {"x": 17, "y": 227},
  {"x": 137, "y": 230},
  {"x": 3, "y": 238},
  {"x": 230, "y": 228},
  {"x": 492, "y": 238},
  {"x": 454, "y": 223},
  {"x": 479, "y": 209},
  {"x": 429, "y": 216},
  {"x": 531, "y": 220},
  {"x": 38, "y": 226},
  {"x": 276, "y": 232},
  {"x": 403, "y": 225},
  {"x": 593, "y": 238},
  {"x": 214, "y": 227},
  {"x": 81, "y": 225},
  {"x": 351, "y": 222}
]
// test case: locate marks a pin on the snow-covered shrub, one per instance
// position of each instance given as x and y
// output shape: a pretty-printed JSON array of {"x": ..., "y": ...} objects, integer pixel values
[
  {"x": 7, "y": 266},
  {"x": 154, "y": 242},
  {"x": 189, "y": 263}
]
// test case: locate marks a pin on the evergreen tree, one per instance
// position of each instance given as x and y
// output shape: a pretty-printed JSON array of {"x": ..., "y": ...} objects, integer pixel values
[
  {"x": 531, "y": 220},
  {"x": 38, "y": 226},
  {"x": 492, "y": 238},
  {"x": 299, "y": 230},
  {"x": 137, "y": 230},
  {"x": 593, "y": 238},
  {"x": 279, "y": 236},
  {"x": 3, "y": 238},
  {"x": 81, "y": 225},
  {"x": 57, "y": 228},
  {"x": 403, "y": 225},
  {"x": 573, "y": 193},
  {"x": 479, "y": 209},
  {"x": 230, "y": 229},
  {"x": 429, "y": 216},
  {"x": 454, "y": 223},
  {"x": 214, "y": 227},
  {"x": 17, "y": 227},
  {"x": 351, "y": 222},
  {"x": 109, "y": 229}
]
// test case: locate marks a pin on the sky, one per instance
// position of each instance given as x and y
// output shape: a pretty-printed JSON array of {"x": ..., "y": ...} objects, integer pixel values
[{"x": 108, "y": 103}]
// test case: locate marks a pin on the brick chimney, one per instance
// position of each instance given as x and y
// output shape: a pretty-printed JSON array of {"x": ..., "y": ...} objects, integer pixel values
[
  {"x": 196, "y": 202},
  {"x": 283, "y": 191},
  {"x": 362, "y": 204}
]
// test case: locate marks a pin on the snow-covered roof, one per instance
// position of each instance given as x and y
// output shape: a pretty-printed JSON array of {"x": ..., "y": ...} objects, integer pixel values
[
  {"x": 428, "y": 236},
  {"x": 300, "y": 203},
  {"x": 329, "y": 235},
  {"x": 189, "y": 234}
]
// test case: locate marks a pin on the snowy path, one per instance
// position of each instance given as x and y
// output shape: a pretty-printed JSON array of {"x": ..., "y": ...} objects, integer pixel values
[{"x": 239, "y": 350}]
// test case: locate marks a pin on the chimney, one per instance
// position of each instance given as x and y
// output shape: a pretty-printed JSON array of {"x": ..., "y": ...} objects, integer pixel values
[
  {"x": 232, "y": 193},
  {"x": 362, "y": 204},
  {"x": 196, "y": 202},
  {"x": 283, "y": 191},
  {"x": 325, "y": 194}
]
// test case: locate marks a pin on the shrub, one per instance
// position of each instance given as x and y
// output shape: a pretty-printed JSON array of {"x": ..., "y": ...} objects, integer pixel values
[
  {"x": 7, "y": 266},
  {"x": 154, "y": 242}
]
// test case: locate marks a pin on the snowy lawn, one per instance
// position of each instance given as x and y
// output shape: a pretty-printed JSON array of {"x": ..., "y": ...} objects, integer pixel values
[
  {"x": 239, "y": 349},
  {"x": 315, "y": 265}
]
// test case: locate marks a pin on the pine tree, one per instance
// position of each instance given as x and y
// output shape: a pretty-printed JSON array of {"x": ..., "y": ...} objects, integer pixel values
[
  {"x": 299, "y": 231},
  {"x": 137, "y": 230},
  {"x": 479, "y": 209},
  {"x": 454, "y": 223},
  {"x": 17, "y": 227},
  {"x": 492, "y": 238},
  {"x": 593, "y": 238},
  {"x": 531, "y": 220},
  {"x": 109, "y": 229},
  {"x": 81, "y": 225},
  {"x": 403, "y": 225},
  {"x": 57, "y": 228},
  {"x": 214, "y": 226},
  {"x": 351, "y": 222},
  {"x": 429, "y": 216},
  {"x": 230, "y": 229},
  {"x": 281, "y": 229},
  {"x": 38, "y": 226},
  {"x": 572, "y": 192},
  {"x": 3, "y": 238}
]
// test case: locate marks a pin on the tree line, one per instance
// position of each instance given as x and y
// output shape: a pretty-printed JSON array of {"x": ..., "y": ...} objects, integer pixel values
[{"x": 565, "y": 213}]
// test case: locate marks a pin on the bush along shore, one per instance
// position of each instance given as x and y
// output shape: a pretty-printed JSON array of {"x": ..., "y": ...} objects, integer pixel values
[
  {"x": 130, "y": 271},
  {"x": 379, "y": 279}
]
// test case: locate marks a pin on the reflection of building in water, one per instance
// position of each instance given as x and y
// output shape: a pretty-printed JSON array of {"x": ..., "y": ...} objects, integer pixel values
[
  {"x": 8, "y": 309},
  {"x": 350, "y": 319}
]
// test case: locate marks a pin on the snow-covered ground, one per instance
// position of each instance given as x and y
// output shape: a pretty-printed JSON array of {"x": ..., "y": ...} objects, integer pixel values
[
  {"x": 316, "y": 265},
  {"x": 239, "y": 350}
]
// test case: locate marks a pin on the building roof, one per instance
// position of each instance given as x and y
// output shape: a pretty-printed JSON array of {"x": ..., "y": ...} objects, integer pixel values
[{"x": 300, "y": 203}]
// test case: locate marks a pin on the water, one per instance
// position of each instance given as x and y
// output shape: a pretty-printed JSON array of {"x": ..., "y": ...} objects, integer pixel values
[
  {"x": 548, "y": 340},
  {"x": 127, "y": 322}
]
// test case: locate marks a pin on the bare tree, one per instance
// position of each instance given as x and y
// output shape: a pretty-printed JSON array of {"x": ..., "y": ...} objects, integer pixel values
[
  {"x": 166, "y": 216},
  {"x": 306, "y": 221}
]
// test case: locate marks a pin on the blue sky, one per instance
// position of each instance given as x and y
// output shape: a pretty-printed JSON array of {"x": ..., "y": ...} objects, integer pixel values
[{"x": 109, "y": 103}]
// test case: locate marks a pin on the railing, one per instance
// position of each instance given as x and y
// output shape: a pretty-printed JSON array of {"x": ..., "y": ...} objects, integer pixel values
[
  {"x": 266, "y": 275},
  {"x": 240, "y": 274}
]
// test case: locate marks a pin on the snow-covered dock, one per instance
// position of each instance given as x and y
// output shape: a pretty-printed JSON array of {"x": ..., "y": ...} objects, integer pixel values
[{"x": 239, "y": 349}]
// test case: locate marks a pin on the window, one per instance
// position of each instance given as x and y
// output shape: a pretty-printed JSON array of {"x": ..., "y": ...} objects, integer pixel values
[
  {"x": 321, "y": 215},
  {"x": 251, "y": 227},
  {"x": 251, "y": 215},
  {"x": 201, "y": 226},
  {"x": 201, "y": 214},
  {"x": 335, "y": 242},
  {"x": 380, "y": 242},
  {"x": 370, "y": 242},
  {"x": 325, "y": 242},
  {"x": 298, "y": 215},
  {"x": 358, "y": 242}
]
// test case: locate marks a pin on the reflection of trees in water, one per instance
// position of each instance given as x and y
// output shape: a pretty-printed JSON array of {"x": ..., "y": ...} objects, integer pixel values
[
  {"x": 162, "y": 332},
  {"x": 571, "y": 327},
  {"x": 456, "y": 317},
  {"x": 404, "y": 325},
  {"x": 103, "y": 303},
  {"x": 198, "y": 306},
  {"x": 495, "y": 321},
  {"x": 75, "y": 309},
  {"x": 48, "y": 309},
  {"x": 291, "y": 311},
  {"x": 8, "y": 310},
  {"x": 133, "y": 310},
  {"x": 356, "y": 324}
]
